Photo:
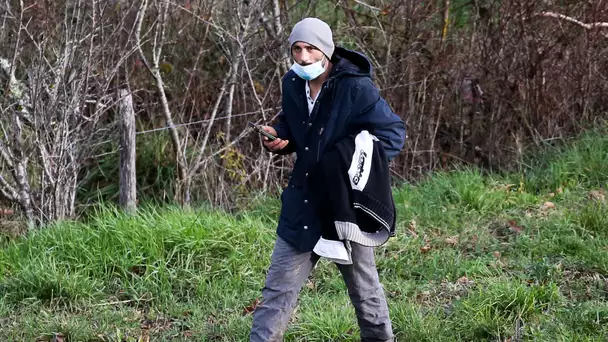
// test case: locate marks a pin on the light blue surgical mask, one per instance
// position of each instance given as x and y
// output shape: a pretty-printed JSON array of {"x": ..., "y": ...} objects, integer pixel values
[{"x": 311, "y": 71}]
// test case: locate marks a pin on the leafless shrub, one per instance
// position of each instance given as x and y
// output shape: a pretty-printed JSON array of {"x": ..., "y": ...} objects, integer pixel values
[
  {"x": 475, "y": 80},
  {"x": 61, "y": 75}
]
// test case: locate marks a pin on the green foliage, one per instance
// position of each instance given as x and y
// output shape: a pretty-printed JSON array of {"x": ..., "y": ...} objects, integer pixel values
[
  {"x": 491, "y": 311},
  {"x": 594, "y": 217},
  {"x": 155, "y": 173},
  {"x": 462, "y": 13},
  {"x": 580, "y": 164},
  {"x": 477, "y": 258}
]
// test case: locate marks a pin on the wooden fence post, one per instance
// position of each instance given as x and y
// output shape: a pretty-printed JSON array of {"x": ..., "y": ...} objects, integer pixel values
[{"x": 127, "y": 151}]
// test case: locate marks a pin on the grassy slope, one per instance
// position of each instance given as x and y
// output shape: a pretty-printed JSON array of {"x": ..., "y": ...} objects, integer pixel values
[{"x": 477, "y": 257}]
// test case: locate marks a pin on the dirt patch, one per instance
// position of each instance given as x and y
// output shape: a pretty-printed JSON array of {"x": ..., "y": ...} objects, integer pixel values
[
  {"x": 11, "y": 229},
  {"x": 445, "y": 293},
  {"x": 577, "y": 285}
]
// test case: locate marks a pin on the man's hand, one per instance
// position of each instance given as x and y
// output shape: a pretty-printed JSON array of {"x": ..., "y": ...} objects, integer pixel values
[{"x": 276, "y": 145}]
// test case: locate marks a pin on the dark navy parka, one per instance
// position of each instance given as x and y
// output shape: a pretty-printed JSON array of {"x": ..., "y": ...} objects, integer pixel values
[{"x": 348, "y": 102}]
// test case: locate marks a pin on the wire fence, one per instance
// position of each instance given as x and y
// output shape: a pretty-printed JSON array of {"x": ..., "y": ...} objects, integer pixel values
[
  {"x": 251, "y": 113},
  {"x": 220, "y": 118}
]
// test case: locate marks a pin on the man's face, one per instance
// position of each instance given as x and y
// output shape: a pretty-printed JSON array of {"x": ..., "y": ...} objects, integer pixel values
[{"x": 305, "y": 54}]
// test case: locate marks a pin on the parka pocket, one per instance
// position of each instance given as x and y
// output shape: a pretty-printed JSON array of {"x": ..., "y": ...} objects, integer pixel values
[
  {"x": 320, "y": 142},
  {"x": 291, "y": 205},
  {"x": 319, "y": 150}
]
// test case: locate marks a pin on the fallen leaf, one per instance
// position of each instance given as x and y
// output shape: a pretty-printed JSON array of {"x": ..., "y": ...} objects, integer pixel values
[
  {"x": 59, "y": 337},
  {"x": 453, "y": 240},
  {"x": 497, "y": 264},
  {"x": 423, "y": 296},
  {"x": 547, "y": 205},
  {"x": 212, "y": 319},
  {"x": 497, "y": 254},
  {"x": 425, "y": 249},
  {"x": 507, "y": 187},
  {"x": 472, "y": 242},
  {"x": 144, "y": 337},
  {"x": 249, "y": 309},
  {"x": 412, "y": 228},
  {"x": 138, "y": 269},
  {"x": 599, "y": 195},
  {"x": 463, "y": 280},
  {"x": 514, "y": 227},
  {"x": 146, "y": 324},
  {"x": 560, "y": 190}
]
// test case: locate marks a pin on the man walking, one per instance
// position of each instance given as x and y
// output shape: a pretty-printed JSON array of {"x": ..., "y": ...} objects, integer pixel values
[{"x": 328, "y": 93}]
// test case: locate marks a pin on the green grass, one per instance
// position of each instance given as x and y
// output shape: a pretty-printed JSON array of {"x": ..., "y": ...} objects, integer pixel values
[{"x": 477, "y": 258}]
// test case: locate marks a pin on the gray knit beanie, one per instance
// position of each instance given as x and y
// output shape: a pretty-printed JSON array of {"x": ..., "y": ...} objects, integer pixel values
[{"x": 314, "y": 32}]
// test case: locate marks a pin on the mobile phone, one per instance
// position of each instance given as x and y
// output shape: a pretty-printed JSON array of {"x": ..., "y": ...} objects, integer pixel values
[{"x": 260, "y": 130}]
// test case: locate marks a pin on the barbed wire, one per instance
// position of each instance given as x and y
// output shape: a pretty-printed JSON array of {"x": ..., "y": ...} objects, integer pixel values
[
  {"x": 401, "y": 85},
  {"x": 179, "y": 125},
  {"x": 250, "y": 113},
  {"x": 222, "y": 118},
  {"x": 204, "y": 121}
]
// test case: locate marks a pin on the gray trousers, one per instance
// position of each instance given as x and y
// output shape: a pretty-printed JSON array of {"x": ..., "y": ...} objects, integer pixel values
[{"x": 289, "y": 270}]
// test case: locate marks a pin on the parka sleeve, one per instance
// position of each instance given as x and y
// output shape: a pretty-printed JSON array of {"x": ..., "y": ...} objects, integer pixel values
[{"x": 374, "y": 113}]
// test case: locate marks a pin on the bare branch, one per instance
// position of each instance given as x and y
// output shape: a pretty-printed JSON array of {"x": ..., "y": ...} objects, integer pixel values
[
  {"x": 276, "y": 34},
  {"x": 278, "y": 27},
  {"x": 18, "y": 43},
  {"x": 220, "y": 29},
  {"x": 139, "y": 21},
  {"x": 589, "y": 26},
  {"x": 266, "y": 24},
  {"x": 255, "y": 93},
  {"x": 368, "y": 5},
  {"x": 195, "y": 166},
  {"x": 230, "y": 100},
  {"x": 155, "y": 70},
  {"x": 238, "y": 56},
  {"x": 3, "y": 30},
  {"x": 6, "y": 154},
  {"x": 160, "y": 30},
  {"x": 7, "y": 190},
  {"x": 572, "y": 20},
  {"x": 45, "y": 160}
]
